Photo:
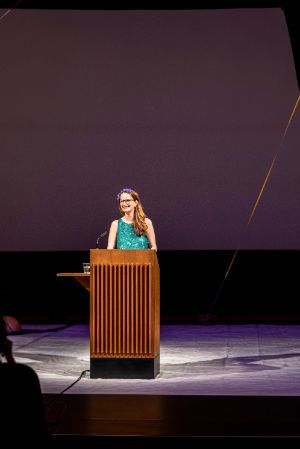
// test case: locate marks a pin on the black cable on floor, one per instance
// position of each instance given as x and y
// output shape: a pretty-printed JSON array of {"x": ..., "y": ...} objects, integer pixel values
[
  {"x": 77, "y": 380},
  {"x": 55, "y": 408}
]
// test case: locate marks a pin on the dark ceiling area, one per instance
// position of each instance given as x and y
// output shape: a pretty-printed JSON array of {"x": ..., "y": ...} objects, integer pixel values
[{"x": 289, "y": 8}]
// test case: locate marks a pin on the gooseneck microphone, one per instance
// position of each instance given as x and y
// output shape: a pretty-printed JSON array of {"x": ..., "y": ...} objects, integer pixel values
[{"x": 100, "y": 237}]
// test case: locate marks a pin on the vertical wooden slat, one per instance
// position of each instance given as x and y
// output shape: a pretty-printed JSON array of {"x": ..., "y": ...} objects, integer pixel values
[
  {"x": 108, "y": 304},
  {"x": 131, "y": 302},
  {"x": 96, "y": 309},
  {"x": 147, "y": 308},
  {"x": 115, "y": 336},
  {"x": 127, "y": 310},
  {"x": 124, "y": 310},
  {"x": 140, "y": 303},
  {"x": 147, "y": 318},
  {"x": 105, "y": 321},
  {"x": 136, "y": 308},
  {"x": 143, "y": 312},
  {"x": 100, "y": 299},
  {"x": 119, "y": 312},
  {"x": 150, "y": 318}
]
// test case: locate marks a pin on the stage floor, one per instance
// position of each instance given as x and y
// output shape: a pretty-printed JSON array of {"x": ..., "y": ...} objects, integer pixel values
[
  {"x": 215, "y": 381},
  {"x": 194, "y": 360}
]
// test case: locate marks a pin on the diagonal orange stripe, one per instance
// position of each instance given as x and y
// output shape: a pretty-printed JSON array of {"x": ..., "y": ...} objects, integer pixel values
[
  {"x": 262, "y": 189},
  {"x": 273, "y": 162},
  {"x": 291, "y": 117},
  {"x": 255, "y": 205},
  {"x": 231, "y": 263}
]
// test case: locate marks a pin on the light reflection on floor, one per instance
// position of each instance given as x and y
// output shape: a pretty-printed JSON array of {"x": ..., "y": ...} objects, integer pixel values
[{"x": 195, "y": 360}]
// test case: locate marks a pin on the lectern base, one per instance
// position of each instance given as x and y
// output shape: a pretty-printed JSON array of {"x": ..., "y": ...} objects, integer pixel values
[{"x": 127, "y": 368}]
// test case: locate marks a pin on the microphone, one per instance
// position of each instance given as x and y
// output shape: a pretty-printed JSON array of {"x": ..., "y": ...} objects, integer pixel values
[{"x": 100, "y": 237}]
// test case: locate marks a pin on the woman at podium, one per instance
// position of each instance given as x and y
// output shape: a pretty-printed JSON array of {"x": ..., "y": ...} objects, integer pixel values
[{"x": 134, "y": 230}]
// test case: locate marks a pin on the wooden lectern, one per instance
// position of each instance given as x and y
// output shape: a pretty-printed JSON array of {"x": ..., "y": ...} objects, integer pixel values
[{"x": 124, "y": 314}]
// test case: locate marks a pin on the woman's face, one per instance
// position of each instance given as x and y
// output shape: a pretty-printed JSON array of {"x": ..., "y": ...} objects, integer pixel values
[{"x": 127, "y": 203}]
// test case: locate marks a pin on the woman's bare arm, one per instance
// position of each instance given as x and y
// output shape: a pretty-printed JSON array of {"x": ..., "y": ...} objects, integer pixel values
[
  {"x": 151, "y": 234},
  {"x": 112, "y": 236}
]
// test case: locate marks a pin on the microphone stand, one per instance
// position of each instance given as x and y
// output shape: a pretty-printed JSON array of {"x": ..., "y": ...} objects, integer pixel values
[{"x": 99, "y": 238}]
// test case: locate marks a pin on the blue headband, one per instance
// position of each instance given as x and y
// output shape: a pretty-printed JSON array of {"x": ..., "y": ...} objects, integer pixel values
[{"x": 126, "y": 190}]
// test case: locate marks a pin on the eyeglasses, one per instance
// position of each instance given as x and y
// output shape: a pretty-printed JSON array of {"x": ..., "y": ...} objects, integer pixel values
[{"x": 125, "y": 201}]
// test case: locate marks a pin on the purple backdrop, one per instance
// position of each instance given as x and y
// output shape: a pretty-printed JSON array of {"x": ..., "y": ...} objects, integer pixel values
[{"x": 187, "y": 107}]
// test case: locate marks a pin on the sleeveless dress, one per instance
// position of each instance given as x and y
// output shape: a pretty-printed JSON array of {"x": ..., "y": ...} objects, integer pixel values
[{"x": 128, "y": 239}]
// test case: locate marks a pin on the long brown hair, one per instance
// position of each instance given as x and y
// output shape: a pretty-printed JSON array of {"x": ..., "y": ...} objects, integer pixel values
[{"x": 139, "y": 217}]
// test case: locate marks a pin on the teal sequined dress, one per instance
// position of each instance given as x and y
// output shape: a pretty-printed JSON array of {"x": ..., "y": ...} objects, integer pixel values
[{"x": 128, "y": 239}]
